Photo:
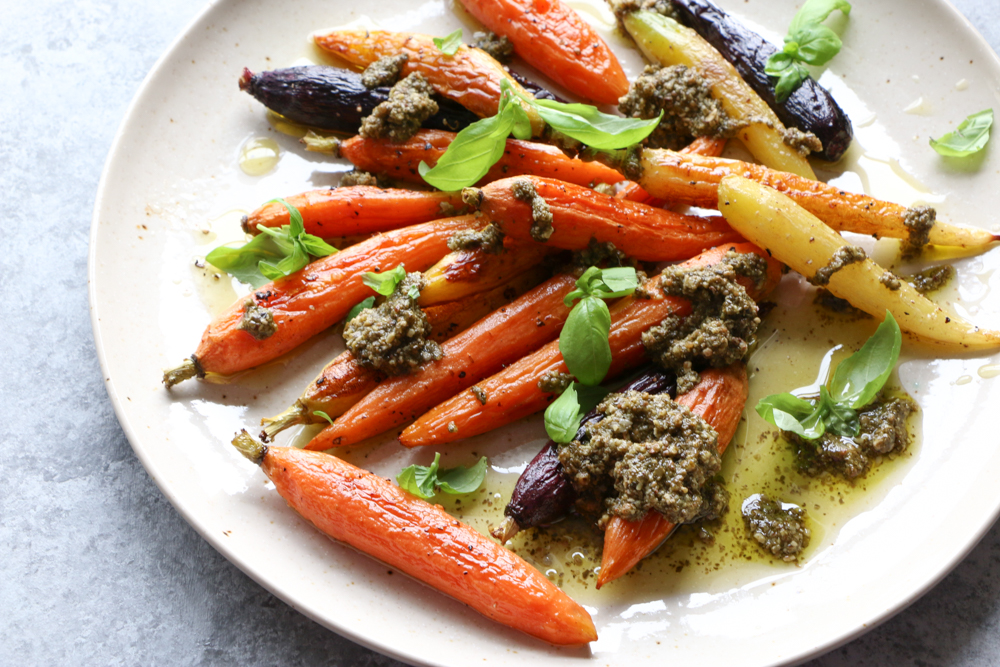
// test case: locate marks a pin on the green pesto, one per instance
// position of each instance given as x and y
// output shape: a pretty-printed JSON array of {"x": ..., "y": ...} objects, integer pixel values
[
  {"x": 554, "y": 382},
  {"x": 399, "y": 117},
  {"x": 918, "y": 221},
  {"x": 501, "y": 48},
  {"x": 932, "y": 279},
  {"x": 489, "y": 239},
  {"x": 843, "y": 256},
  {"x": 257, "y": 321},
  {"x": 778, "y": 528},
  {"x": 541, "y": 216},
  {"x": 384, "y": 72}
]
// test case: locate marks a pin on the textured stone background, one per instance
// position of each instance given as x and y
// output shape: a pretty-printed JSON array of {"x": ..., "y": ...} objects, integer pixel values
[{"x": 96, "y": 567}]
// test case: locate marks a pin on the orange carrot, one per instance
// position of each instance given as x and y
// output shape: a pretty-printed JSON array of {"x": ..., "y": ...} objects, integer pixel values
[
  {"x": 313, "y": 299},
  {"x": 633, "y": 191},
  {"x": 344, "y": 382},
  {"x": 379, "y": 519},
  {"x": 579, "y": 214},
  {"x": 718, "y": 398},
  {"x": 359, "y": 209},
  {"x": 553, "y": 39},
  {"x": 514, "y": 393},
  {"x": 471, "y": 77},
  {"x": 498, "y": 339},
  {"x": 401, "y": 160}
]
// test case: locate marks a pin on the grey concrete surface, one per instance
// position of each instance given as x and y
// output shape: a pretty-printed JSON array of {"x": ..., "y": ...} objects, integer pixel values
[{"x": 96, "y": 568}]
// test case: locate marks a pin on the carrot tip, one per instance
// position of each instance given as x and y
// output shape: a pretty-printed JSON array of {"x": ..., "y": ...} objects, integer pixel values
[
  {"x": 297, "y": 414},
  {"x": 186, "y": 370}
]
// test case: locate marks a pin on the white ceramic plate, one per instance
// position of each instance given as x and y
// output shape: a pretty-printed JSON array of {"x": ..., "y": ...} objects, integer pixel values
[{"x": 172, "y": 190}]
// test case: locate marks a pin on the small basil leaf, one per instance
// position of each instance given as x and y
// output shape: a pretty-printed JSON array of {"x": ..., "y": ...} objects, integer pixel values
[
  {"x": 838, "y": 418},
  {"x": 592, "y": 127},
  {"x": 817, "y": 44},
  {"x": 862, "y": 375},
  {"x": 562, "y": 417},
  {"x": 413, "y": 292},
  {"x": 968, "y": 138},
  {"x": 420, "y": 480},
  {"x": 461, "y": 480},
  {"x": 450, "y": 43},
  {"x": 787, "y": 403},
  {"x": 590, "y": 397},
  {"x": 573, "y": 296},
  {"x": 242, "y": 263},
  {"x": 617, "y": 282},
  {"x": 358, "y": 307},
  {"x": 816, "y": 11},
  {"x": 288, "y": 265},
  {"x": 320, "y": 413},
  {"x": 296, "y": 226},
  {"x": 385, "y": 283},
  {"x": 316, "y": 246},
  {"x": 522, "y": 124},
  {"x": 280, "y": 236},
  {"x": 583, "y": 341},
  {"x": 471, "y": 154}
]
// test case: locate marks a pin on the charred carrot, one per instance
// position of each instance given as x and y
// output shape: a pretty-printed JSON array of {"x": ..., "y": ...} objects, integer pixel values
[
  {"x": 500, "y": 338},
  {"x": 707, "y": 146},
  {"x": 466, "y": 272},
  {"x": 401, "y": 160},
  {"x": 694, "y": 180},
  {"x": 376, "y": 517},
  {"x": 471, "y": 77},
  {"x": 344, "y": 382},
  {"x": 718, "y": 398},
  {"x": 514, "y": 393},
  {"x": 579, "y": 214},
  {"x": 553, "y": 39},
  {"x": 283, "y": 314},
  {"x": 359, "y": 209}
]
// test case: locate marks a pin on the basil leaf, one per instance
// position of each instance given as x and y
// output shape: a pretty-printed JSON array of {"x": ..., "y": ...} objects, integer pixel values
[
  {"x": 817, "y": 45},
  {"x": 583, "y": 341},
  {"x": 461, "y": 480},
  {"x": 817, "y": 11},
  {"x": 588, "y": 125},
  {"x": 562, "y": 417},
  {"x": 320, "y": 413},
  {"x": 241, "y": 263},
  {"x": 316, "y": 246},
  {"x": 968, "y": 138},
  {"x": 590, "y": 397},
  {"x": 616, "y": 282},
  {"x": 385, "y": 283},
  {"x": 413, "y": 292},
  {"x": 788, "y": 405},
  {"x": 450, "y": 43},
  {"x": 295, "y": 226},
  {"x": 358, "y": 307},
  {"x": 423, "y": 481},
  {"x": 863, "y": 374},
  {"x": 838, "y": 418},
  {"x": 522, "y": 124},
  {"x": 288, "y": 265},
  {"x": 471, "y": 154}
]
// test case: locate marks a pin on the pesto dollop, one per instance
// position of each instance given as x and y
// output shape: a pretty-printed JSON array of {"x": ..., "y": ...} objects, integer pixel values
[
  {"x": 257, "y": 321},
  {"x": 554, "y": 382},
  {"x": 647, "y": 452},
  {"x": 384, "y": 72},
  {"x": 356, "y": 177},
  {"x": 400, "y": 116},
  {"x": 721, "y": 326},
  {"x": 843, "y": 256},
  {"x": 501, "y": 48},
  {"x": 778, "y": 528},
  {"x": 684, "y": 97},
  {"x": 932, "y": 279},
  {"x": 489, "y": 239},
  {"x": 541, "y": 229},
  {"x": 394, "y": 336},
  {"x": 883, "y": 431},
  {"x": 918, "y": 221},
  {"x": 802, "y": 142},
  {"x": 599, "y": 254}
]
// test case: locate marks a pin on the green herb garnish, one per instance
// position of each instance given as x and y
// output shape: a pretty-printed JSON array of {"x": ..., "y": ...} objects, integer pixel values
[
  {"x": 358, "y": 307},
  {"x": 384, "y": 283},
  {"x": 808, "y": 42},
  {"x": 857, "y": 380},
  {"x": 970, "y": 136},
  {"x": 563, "y": 416},
  {"x": 478, "y": 147},
  {"x": 449, "y": 44},
  {"x": 424, "y": 481},
  {"x": 273, "y": 254},
  {"x": 320, "y": 413},
  {"x": 583, "y": 341}
]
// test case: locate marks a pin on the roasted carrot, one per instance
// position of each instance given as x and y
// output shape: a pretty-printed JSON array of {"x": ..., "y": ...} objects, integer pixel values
[
  {"x": 498, "y": 339},
  {"x": 466, "y": 272},
  {"x": 634, "y": 192},
  {"x": 379, "y": 519},
  {"x": 344, "y": 382},
  {"x": 553, "y": 39},
  {"x": 471, "y": 77},
  {"x": 718, "y": 398},
  {"x": 514, "y": 393},
  {"x": 694, "y": 180},
  {"x": 308, "y": 301},
  {"x": 401, "y": 160},
  {"x": 359, "y": 209},
  {"x": 579, "y": 214}
]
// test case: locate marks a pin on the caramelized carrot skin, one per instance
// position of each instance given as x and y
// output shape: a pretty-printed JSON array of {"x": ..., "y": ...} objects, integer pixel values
[
  {"x": 359, "y": 209},
  {"x": 579, "y": 214},
  {"x": 307, "y": 302},
  {"x": 514, "y": 393},
  {"x": 718, "y": 398},
  {"x": 553, "y": 39},
  {"x": 378, "y": 518},
  {"x": 402, "y": 160},
  {"x": 498, "y": 339},
  {"x": 470, "y": 77}
]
